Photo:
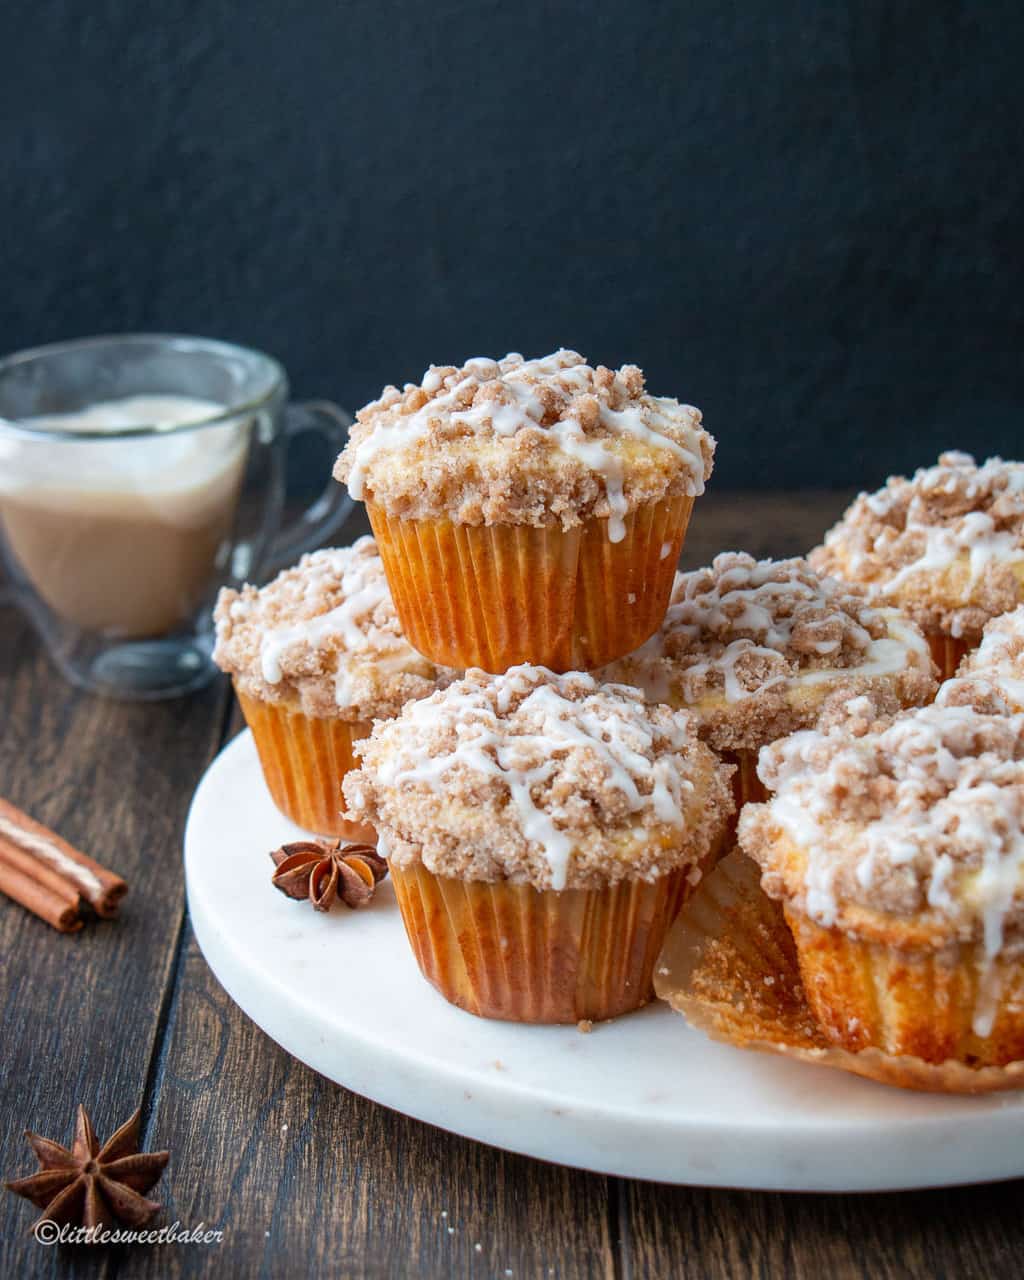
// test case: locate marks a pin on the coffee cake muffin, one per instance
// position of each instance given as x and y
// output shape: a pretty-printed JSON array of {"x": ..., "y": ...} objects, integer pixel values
[
  {"x": 316, "y": 656},
  {"x": 897, "y": 851},
  {"x": 528, "y": 510},
  {"x": 757, "y": 649},
  {"x": 991, "y": 678},
  {"x": 946, "y": 547},
  {"x": 542, "y": 832}
]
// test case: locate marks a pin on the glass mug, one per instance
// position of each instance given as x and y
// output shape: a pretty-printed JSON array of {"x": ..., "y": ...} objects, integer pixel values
[{"x": 139, "y": 474}]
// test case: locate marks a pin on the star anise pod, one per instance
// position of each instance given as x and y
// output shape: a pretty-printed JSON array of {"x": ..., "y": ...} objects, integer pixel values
[
  {"x": 90, "y": 1185},
  {"x": 322, "y": 870}
]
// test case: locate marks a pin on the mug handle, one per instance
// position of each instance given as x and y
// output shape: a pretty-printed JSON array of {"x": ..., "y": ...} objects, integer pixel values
[{"x": 325, "y": 514}]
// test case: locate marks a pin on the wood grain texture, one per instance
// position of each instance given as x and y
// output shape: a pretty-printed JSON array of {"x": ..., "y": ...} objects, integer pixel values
[
  {"x": 304, "y": 1177},
  {"x": 966, "y": 1233},
  {"x": 80, "y": 1014},
  {"x": 764, "y": 524}
]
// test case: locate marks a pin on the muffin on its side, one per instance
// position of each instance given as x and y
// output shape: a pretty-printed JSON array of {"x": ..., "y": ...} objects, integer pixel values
[
  {"x": 757, "y": 649},
  {"x": 528, "y": 510},
  {"x": 315, "y": 657},
  {"x": 897, "y": 851},
  {"x": 542, "y": 832},
  {"x": 991, "y": 678},
  {"x": 946, "y": 547}
]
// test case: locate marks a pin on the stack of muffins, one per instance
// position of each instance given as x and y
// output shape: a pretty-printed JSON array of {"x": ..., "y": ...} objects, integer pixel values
[{"x": 550, "y": 732}]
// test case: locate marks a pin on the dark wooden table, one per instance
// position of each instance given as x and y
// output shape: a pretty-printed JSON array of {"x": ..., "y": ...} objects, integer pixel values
[{"x": 303, "y": 1177}]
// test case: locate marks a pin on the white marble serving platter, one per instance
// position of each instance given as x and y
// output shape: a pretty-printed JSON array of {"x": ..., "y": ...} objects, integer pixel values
[{"x": 643, "y": 1096}]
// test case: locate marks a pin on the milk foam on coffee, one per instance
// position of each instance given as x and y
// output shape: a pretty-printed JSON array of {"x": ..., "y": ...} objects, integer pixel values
[{"x": 122, "y": 536}]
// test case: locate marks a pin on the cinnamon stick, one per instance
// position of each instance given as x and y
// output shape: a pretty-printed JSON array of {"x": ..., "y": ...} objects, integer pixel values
[
  {"x": 101, "y": 888},
  {"x": 12, "y": 856},
  {"x": 41, "y": 900}
]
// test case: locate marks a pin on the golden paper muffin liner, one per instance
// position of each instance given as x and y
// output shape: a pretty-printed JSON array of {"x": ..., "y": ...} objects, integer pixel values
[
  {"x": 947, "y": 651},
  {"x": 520, "y": 954},
  {"x": 919, "y": 1002},
  {"x": 730, "y": 966},
  {"x": 492, "y": 596},
  {"x": 304, "y": 759},
  {"x": 747, "y": 788}
]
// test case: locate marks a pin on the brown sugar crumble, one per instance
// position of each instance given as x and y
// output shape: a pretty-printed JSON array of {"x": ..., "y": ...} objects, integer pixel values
[
  {"x": 991, "y": 678},
  {"x": 533, "y": 442},
  {"x": 324, "y": 634},
  {"x": 920, "y": 816},
  {"x": 761, "y": 648},
  {"x": 946, "y": 545},
  {"x": 535, "y": 778}
]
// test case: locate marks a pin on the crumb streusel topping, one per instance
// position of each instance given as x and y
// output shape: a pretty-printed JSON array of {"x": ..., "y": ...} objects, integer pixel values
[
  {"x": 554, "y": 781},
  {"x": 991, "y": 677},
  {"x": 324, "y": 632},
  {"x": 946, "y": 545},
  {"x": 532, "y": 442},
  {"x": 757, "y": 648},
  {"x": 920, "y": 817}
]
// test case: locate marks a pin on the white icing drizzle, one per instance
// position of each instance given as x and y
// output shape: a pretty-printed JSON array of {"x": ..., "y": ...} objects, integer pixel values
[
  {"x": 520, "y": 407},
  {"x": 995, "y": 669},
  {"x": 546, "y": 726},
  {"x": 972, "y": 535},
  {"x": 975, "y": 536},
  {"x": 952, "y": 820},
  {"x": 764, "y": 605},
  {"x": 347, "y": 628},
  {"x": 51, "y": 854},
  {"x": 903, "y": 647}
]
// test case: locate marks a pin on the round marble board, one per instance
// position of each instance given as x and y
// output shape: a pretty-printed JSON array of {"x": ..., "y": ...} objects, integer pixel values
[{"x": 642, "y": 1096}]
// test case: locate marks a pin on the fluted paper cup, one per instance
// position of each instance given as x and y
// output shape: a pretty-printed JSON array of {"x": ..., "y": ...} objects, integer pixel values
[
  {"x": 747, "y": 788},
  {"x": 731, "y": 966},
  {"x": 513, "y": 952},
  {"x": 304, "y": 759},
  {"x": 947, "y": 651},
  {"x": 918, "y": 1001},
  {"x": 493, "y": 596}
]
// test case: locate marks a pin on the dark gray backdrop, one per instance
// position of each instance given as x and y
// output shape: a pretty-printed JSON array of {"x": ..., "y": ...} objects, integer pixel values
[{"x": 803, "y": 217}]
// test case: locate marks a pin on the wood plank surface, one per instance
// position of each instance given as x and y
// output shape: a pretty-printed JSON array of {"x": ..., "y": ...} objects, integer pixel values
[
  {"x": 295, "y": 1168},
  {"x": 304, "y": 1178},
  {"x": 966, "y": 1233},
  {"x": 81, "y": 1014}
]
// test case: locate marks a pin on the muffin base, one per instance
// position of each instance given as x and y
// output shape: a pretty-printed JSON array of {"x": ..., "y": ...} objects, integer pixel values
[
  {"x": 747, "y": 788},
  {"x": 919, "y": 1002},
  {"x": 730, "y": 967},
  {"x": 304, "y": 759},
  {"x": 492, "y": 596},
  {"x": 512, "y": 952},
  {"x": 947, "y": 651}
]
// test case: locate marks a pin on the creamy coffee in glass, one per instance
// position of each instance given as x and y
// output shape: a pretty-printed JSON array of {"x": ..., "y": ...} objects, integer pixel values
[
  {"x": 138, "y": 475},
  {"x": 117, "y": 538}
]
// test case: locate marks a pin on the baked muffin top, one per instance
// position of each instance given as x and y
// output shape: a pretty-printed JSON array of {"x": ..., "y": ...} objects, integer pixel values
[
  {"x": 991, "y": 677},
  {"x": 548, "y": 780},
  {"x": 324, "y": 633},
  {"x": 525, "y": 442},
  {"x": 760, "y": 648},
  {"x": 920, "y": 817},
  {"x": 946, "y": 545}
]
